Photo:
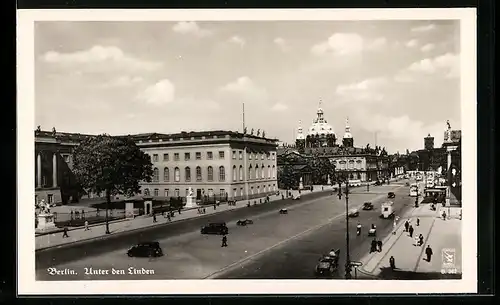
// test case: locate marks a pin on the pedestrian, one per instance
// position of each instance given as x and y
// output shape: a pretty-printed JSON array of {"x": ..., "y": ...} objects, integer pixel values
[
  {"x": 65, "y": 232},
  {"x": 154, "y": 217},
  {"x": 215, "y": 207},
  {"x": 394, "y": 227},
  {"x": 407, "y": 225},
  {"x": 86, "y": 225},
  {"x": 83, "y": 213},
  {"x": 420, "y": 240},
  {"x": 267, "y": 199},
  {"x": 179, "y": 210},
  {"x": 224, "y": 241},
  {"x": 428, "y": 252},
  {"x": 373, "y": 247},
  {"x": 282, "y": 197},
  {"x": 71, "y": 214},
  {"x": 204, "y": 211},
  {"x": 417, "y": 241},
  {"x": 379, "y": 245},
  {"x": 418, "y": 222},
  {"x": 410, "y": 230},
  {"x": 444, "y": 215},
  {"x": 322, "y": 188},
  {"x": 168, "y": 217},
  {"x": 392, "y": 262}
]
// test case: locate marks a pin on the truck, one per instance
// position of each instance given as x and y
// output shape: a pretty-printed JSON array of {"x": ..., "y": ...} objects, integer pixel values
[{"x": 387, "y": 210}]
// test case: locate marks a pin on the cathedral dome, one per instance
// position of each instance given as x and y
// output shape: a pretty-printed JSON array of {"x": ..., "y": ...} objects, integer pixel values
[{"x": 320, "y": 126}]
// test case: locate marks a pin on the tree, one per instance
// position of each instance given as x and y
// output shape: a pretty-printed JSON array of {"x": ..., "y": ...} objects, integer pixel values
[
  {"x": 111, "y": 165},
  {"x": 287, "y": 177},
  {"x": 321, "y": 167}
]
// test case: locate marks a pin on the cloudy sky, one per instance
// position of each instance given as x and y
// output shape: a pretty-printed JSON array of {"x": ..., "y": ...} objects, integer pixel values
[{"x": 396, "y": 79}]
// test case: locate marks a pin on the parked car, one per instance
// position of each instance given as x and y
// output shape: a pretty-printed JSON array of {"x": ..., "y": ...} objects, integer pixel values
[
  {"x": 326, "y": 265},
  {"x": 353, "y": 213},
  {"x": 368, "y": 206},
  {"x": 283, "y": 211},
  {"x": 391, "y": 195},
  {"x": 244, "y": 222},
  {"x": 215, "y": 228},
  {"x": 145, "y": 249}
]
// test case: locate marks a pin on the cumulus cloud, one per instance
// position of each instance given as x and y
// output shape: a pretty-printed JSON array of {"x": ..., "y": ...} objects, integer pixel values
[
  {"x": 238, "y": 40},
  {"x": 428, "y": 47},
  {"x": 102, "y": 56},
  {"x": 366, "y": 90},
  {"x": 424, "y": 28},
  {"x": 245, "y": 88},
  {"x": 347, "y": 43},
  {"x": 191, "y": 28},
  {"x": 412, "y": 43},
  {"x": 278, "y": 107},
  {"x": 160, "y": 93},
  {"x": 281, "y": 43},
  {"x": 448, "y": 63}
]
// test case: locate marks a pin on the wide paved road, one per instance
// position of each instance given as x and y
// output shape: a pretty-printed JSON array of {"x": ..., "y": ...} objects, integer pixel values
[
  {"x": 273, "y": 239},
  {"x": 297, "y": 258}
]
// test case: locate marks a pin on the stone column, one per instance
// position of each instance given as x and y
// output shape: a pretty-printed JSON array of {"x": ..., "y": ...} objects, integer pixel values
[
  {"x": 39, "y": 170},
  {"x": 54, "y": 169}
]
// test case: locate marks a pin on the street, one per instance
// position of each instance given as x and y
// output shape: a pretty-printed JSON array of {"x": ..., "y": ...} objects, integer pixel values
[{"x": 275, "y": 246}]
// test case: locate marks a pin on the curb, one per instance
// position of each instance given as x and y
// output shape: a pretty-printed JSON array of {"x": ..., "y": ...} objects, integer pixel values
[{"x": 145, "y": 228}]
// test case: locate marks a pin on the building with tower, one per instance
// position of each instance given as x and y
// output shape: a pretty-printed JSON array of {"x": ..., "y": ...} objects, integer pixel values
[
  {"x": 429, "y": 142},
  {"x": 352, "y": 163}
]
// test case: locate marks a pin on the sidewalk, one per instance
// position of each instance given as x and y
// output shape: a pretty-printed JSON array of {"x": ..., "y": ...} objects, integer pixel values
[
  {"x": 409, "y": 258},
  {"x": 98, "y": 230}
]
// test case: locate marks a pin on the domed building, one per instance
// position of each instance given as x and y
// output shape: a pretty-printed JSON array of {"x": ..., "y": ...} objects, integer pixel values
[{"x": 319, "y": 134}]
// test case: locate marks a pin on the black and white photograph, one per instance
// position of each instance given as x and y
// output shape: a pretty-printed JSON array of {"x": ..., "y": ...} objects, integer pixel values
[{"x": 293, "y": 151}]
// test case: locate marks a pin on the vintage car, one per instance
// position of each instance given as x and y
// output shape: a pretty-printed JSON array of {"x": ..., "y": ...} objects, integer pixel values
[
  {"x": 372, "y": 231},
  {"x": 296, "y": 197},
  {"x": 353, "y": 213},
  {"x": 367, "y": 206},
  {"x": 244, "y": 222},
  {"x": 215, "y": 228},
  {"x": 326, "y": 265},
  {"x": 145, "y": 249},
  {"x": 378, "y": 182},
  {"x": 283, "y": 211},
  {"x": 391, "y": 195}
]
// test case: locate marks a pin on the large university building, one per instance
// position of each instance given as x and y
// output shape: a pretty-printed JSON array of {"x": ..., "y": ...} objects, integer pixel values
[{"x": 211, "y": 163}]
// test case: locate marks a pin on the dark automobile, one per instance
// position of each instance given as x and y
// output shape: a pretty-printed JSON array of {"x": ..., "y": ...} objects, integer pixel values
[
  {"x": 367, "y": 206},
  {"x": 283, "y": 211},
  {"x": 378, "y": 182},
  {"x": 146, "y": 249},
  {"x": 244, "y": 222},
  {"x": 326, "y": 265},
  {"x": 215, "y": 228},
  {"x": 353, "y": 213},
  {"x": 391, "y": 195}
]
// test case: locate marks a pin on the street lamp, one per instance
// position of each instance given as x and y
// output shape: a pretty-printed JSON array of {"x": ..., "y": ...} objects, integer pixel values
[
  {"x": 348, "y": 259},
  {"x": 107, "y": 197}
]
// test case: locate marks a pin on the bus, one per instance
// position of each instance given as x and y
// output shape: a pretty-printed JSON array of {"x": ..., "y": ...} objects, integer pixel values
[{"x": 414, "y": 190}]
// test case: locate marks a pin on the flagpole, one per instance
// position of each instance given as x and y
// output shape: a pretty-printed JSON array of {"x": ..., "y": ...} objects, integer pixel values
[{"x": 245, "y": 168}]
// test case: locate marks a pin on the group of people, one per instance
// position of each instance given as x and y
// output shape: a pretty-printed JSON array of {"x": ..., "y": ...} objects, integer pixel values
[{"x": 376, "y": 245}]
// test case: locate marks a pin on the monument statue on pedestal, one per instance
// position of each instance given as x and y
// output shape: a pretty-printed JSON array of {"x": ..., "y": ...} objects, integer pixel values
[
  {"x": 45, "y": 217},
  {"x": 190, "y": 199},
  {"x": 329, "y": 182},
  {"x": 447, "y": 133},
  {"x": 301, "y": 184}
]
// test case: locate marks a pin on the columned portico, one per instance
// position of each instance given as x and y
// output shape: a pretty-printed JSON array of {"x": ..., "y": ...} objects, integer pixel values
[
  {"x": 39, "y": 170},
  {"x": 54, "y": 169}
]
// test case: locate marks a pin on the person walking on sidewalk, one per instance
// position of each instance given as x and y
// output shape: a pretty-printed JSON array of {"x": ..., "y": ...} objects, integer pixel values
[
  {"x": 379, "y": 245},
  {"x": 373, "y": 247},
  {"x": 410, "y": 230},
  {"x": 65, "y": 232},
  {"x": 168, "y": 217},
  {"x": 407, "y": 224},
  {"x": 154, "y": 217},
  {"x": 87, "y": 225},
  {"x": 420, "y": 240},
  {"x": 224, "y": 241},
  {"x": 392, "y": 262},
  {"x": 418, "y": 222},
  {"x": 428, "y": 252},
  {"x": 444, "y": 215}
]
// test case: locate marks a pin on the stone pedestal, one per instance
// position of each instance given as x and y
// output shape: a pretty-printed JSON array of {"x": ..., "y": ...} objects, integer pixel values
[
  {"x": 45, "y": 221},
  {"x": 190, "y": 202},
  {"x": 301, "y": 184}
]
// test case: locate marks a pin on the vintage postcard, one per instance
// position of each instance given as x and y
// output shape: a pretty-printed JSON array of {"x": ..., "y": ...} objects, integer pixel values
[{"x": 246, "y": 151}]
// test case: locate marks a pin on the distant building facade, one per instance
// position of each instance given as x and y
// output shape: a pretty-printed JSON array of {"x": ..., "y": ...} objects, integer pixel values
[{"x": 211, "y": 163}]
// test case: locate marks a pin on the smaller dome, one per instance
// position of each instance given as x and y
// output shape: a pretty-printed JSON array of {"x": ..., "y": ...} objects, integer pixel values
[{"x": 300, "y": 132}]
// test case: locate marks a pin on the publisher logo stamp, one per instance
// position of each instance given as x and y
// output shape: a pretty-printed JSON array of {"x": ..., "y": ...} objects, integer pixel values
[{"x": 448, "y": 261}]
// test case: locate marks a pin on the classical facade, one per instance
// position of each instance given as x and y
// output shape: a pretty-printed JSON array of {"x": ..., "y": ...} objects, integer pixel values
[
  {"x": 211, "y": 163},
  {"x": 216, "y": 163},
  {"x": 353, "y": 163}
]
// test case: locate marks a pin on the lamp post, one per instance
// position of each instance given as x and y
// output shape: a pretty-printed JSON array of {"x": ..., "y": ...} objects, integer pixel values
[
  {"x": 107, "y": 196},
  {"x": 348, "y": 259}
]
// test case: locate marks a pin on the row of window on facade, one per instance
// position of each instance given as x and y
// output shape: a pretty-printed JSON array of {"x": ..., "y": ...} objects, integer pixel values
[
  {"x": 210, "y": 156},
  {"x": 349, "y": 165},
  {"x": 222, "y": 192},
  {"x": 253, "y": 173}
]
